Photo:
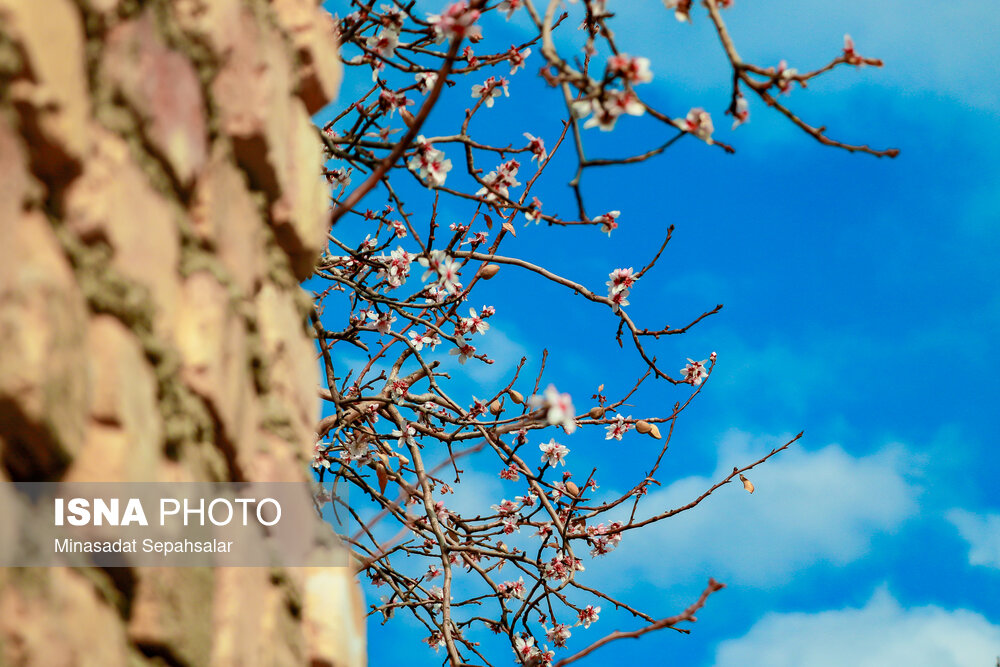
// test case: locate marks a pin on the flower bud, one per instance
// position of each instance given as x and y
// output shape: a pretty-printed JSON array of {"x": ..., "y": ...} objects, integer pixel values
[
  {"x": 489, "y": 271},
  {"x": 643, "y": 426},
  {"x": 516, "y": 396},
  {"x": 596, "y": 412}
]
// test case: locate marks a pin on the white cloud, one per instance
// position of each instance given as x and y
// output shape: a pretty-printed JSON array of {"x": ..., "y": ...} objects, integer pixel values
[
  {"x": 880, "y": 634},
  {"x": 982, "y": 532},
  {"x": 928, "y": 48},
  {"x": 810, "y": 507}
]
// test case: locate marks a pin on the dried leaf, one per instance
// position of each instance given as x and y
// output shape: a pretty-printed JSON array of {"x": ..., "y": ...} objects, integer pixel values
[
  {"x": 510, "y": 228},
  {"x": 489, "y": 221},
  {"x": 747, "y": 484}
]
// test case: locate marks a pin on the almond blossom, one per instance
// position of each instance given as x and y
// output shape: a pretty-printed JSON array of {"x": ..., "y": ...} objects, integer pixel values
[
  {"x": 431, "y": 164},
  {"x": 620, "y": 280},
  {"x": 588, "y": 615},
  {"x": 741, "y": 111},
  {"x": 426, "y": 81},
  {"x": 619, "y": 300},
  {"x": 457, "y": 21},
  {"x": 682, "y": 9},
  {"x": 513, "y": 589},
  {"x": 511, "y": 473},
  {"x": 553, "y": 453},
  {"x": 850, "y": 54},
  {"x": 558, "y": 635},
  {"x": 418, "y": 340},
  {"x": 490, "y": 89},
  {"x": 319, "y": 457},
  {"x": 537, "y": 147},
  {"x": 383, "y": 321},
  {"x": 384, "y": 45},
  {"x": 390, "y": 101},
  {"x": 786, "y": 77},
  {"x": 399, "y": 268},
  {"x": 463, "y": 352},
  {"x": 698, "y": 122},
  {"x": 694, "y": 373},
  {"x": 560, "y": 411},
  {"x": 632, "y": 70},
  {"x": 500, "y": 181},
  {"x": 442, "y": 268},
  {"x": 517, "y": 58},
  {"x": 608, "y": 221},
  {"x": 392, "y": 17},
  {"x": 406, "y": 436},
  {"x": 339, "y": 176},
  {"x": 617, "y": 428},
  {"x": 510, "y": 6},
  {"x": 473, "y": 323}
]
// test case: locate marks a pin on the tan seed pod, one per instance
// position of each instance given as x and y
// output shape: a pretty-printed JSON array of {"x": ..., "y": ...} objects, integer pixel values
[
  {"x": 489, "y": 271},
  {"x": 516, "y": 396},
  {"x": 643, "y": 426},
  {"x": 407, "y": 117},
  {"x": 747, "y": 484},
  {"x": 653, "y": 431},
  {"x": 383, "y": 476},
  {"x": 495, "y": 408},
  {"x": 596, "y": 412},
  {"x": 572, "y": 489}
]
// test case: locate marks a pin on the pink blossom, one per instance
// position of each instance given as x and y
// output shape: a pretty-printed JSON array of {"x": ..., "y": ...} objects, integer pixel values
[
  {"x": 558, "y": 635},
  {"x": 619, "y": 300},
  {"x": 741, "y": 111},
  {"x": 500, "y": 181},
  {"x": 618, "y": 428},
  {"x": 470, "y": 57},
  {"x": 430, "y": 163},
  {"x": 464, "y": 352},
  {"x": 517, "y": 58},
  {"x": 439, "y": 264},
  {"x": 694, "y": 373},
  {"x": 786, "y": 76},
  {"x": 510, "y": 473},
  {"x": 383, "y": 321},
  {"x": 537, "y": 147},
  {"x": 426, "y": 81},
  {"x": 513, "y": 589},
  {"x": 560, "y": 409},
  {"x": 608, "y": 221},
  {"x": 632, "y": 70},
  {"x": 491, "y": 89},
  {"x": 553, "y": 453},
  {"x": 510, "y": 6},
  {"x": 621, "y": 279},
  {"x": 850, "y": 54},
  {"x": 384, "y": 45},
  {"x": 588, "y": 615},
  {"x": 457, "y": 21},
  {"x": 682, "y": 9},
  {"x": 390, "y": 101},
  {"x": 406, "y": 436},
  {"x": 698, "y": 122}
]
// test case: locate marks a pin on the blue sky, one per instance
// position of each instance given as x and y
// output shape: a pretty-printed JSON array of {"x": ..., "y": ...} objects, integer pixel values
[{"x": 861, "y": 302}]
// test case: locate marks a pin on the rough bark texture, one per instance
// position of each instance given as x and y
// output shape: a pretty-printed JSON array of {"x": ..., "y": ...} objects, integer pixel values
[{"x": 160, "y": 199}]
